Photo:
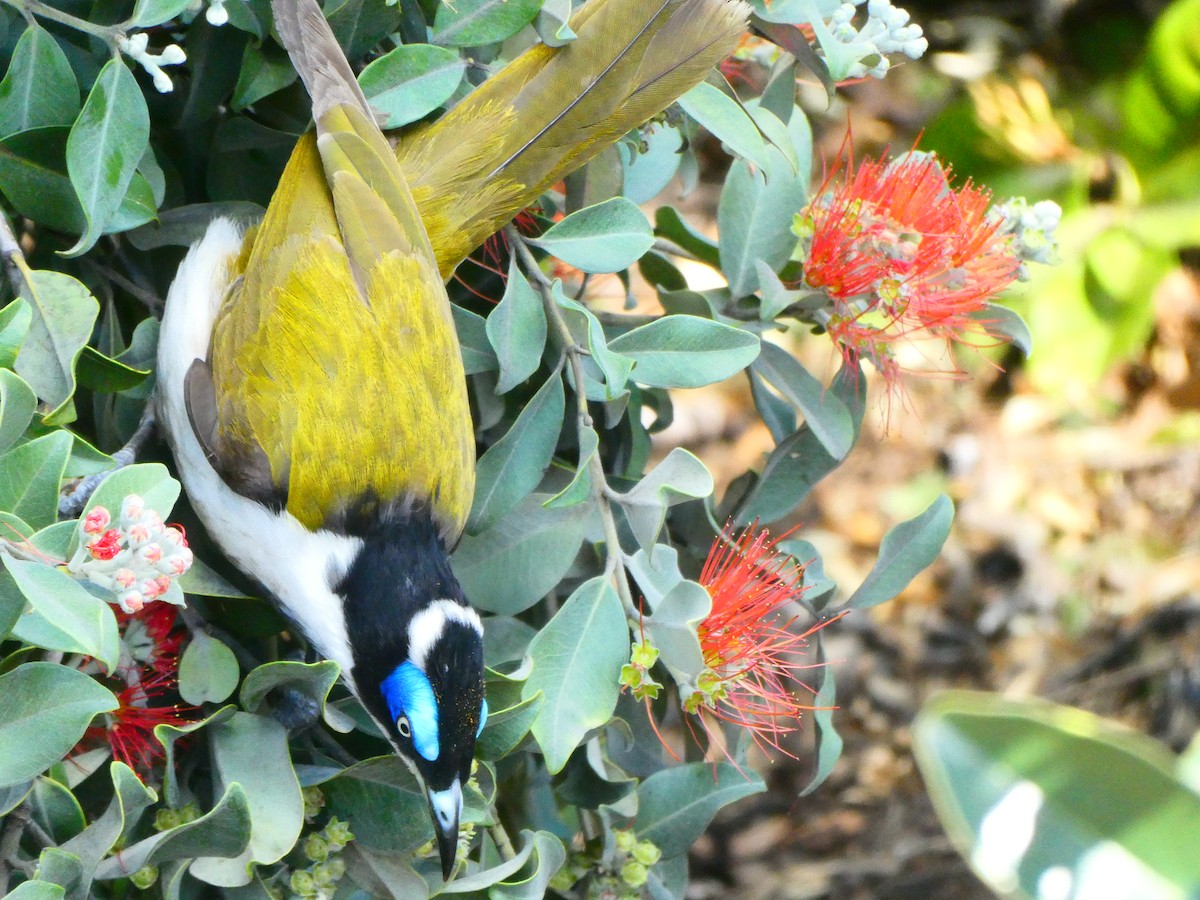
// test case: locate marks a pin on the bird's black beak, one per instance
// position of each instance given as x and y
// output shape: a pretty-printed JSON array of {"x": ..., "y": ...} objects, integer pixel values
[{"x": 447, "y": 808}]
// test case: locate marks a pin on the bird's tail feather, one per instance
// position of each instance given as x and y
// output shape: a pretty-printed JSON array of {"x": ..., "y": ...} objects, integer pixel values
[
  {"x": 318, "y": 58},
  {"x": 552, "y": 109}
]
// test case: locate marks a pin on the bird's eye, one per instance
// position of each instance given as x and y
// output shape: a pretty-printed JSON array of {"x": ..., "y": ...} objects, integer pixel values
[{"x": 403, "y": 727}]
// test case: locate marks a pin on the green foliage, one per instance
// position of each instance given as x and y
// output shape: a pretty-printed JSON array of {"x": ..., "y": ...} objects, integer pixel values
[
  {"x": 1035, "y": 795},
  {"x": 585, "y": 541}
]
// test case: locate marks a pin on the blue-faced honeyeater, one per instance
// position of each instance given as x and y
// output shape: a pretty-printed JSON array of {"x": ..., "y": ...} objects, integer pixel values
[{"x": 310, "y": 379}]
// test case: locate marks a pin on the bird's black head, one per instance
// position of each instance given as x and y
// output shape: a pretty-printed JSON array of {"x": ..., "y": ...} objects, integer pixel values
[{"x": 418, "y": 662}]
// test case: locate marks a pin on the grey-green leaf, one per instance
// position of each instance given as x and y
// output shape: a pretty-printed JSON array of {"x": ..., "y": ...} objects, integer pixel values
[
  {"x": 472, "y": 23},
  {"x": 64, "y": 312},
  {"x": 46, "y": 709},
  {"x": 517, "y": 330},
  {"x": 676, "y": 804},
  {"x": 64, "y": 615},
  {"x": 208, "y": 671},
  {"x": 906, "y": 551},
  {"x": 148, "y": 13},
  {"x": 577, "y": 661},
  {"x": 515, "y": 464},
  {"x": 824, "y": 412},
  {"x": 17, "y": 403},
  {"x": 727, "y": 121},
  {"x": 105, "y": 145},
  {"x": 606, "y": 237},
  {"x": 39, "y": 88},
  {"x": 681, "y": 476},
  {"x": 411, "y": 81},
  {"x": 686, "y": 351},
  {"x": 30, "y": 476},
  {"x": 513, "y": 564}
]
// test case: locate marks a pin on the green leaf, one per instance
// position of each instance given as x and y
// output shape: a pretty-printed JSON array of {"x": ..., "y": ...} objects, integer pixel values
[
  {"x": 676, "y": 804},
  {"x": 672, "y": 628},
  {"x": 580, "y": 486},
  {"x": 129, "y": 799},
  {"x": 361, "y": 24},
  {"x": 17, "y": 404},
  {"x": 56, "y": 809},
  {"x": 1029, "y": 792},
  {"x": 681, "y": 476},
  {"x": 671, "y": 225},
  {"x": 577, "y": 661},
  {"x": 64, "y": 313},
  {"x": 472, "y": 23},
  {"x": 517, "y": 329},
  {"x": 384, "y": 804},
  {"x": 517, "y": 561},
  {"x": 30, "y": 476},
  {"x": 14, "y": 325},
  {"x": 148, "y": 13},
  {"x": 606, "y": 237},
  {"x": 829, "y": 742},
  {"x": 64, "y": 615},
  {"x": 59, "y": 867},
  {"x": 223, "y": 832},
  {"x": 906, "y": 551},
  {"x": 727, "y": 121},
  {"x": 106, "y": 143},
  {"x": 314, "y": 680},
  {"x": 507, "y": 727},
  {"x": 686, "y": 351},
  {"x": 265, "y": 70},
  {"x": 479, "y": 880},
  {"x": 754, "y": 215},
  {"x": 204, "y": 581},
  {"x": 411, "y": 81},
  {"x": 1006, "y": 324},
  {"x": 823, "y": 411},
  {"x": 513, "y": 466},
  {"x": 252, "y": 751},
  {"x": 587, "y": 330},
  {"x": 39, "y": 88},
  {"x": 208, "y": 671},
  {"x": 101, "y": 373},
  {"x": 551, "y": 23},
  {"x": 532, "y": 881},
  {"x": 477, "y": 354},
  {"x": 646, "y": 174},
  {"x": 36, "y": 890},
  {"x": 46, "y": 709},
  {"x": 184, "y": 225},
  {"x": 168, "y": 735}
]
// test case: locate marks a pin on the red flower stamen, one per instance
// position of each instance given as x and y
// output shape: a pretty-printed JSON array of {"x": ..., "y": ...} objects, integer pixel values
[{"x": 900, "y": 252}]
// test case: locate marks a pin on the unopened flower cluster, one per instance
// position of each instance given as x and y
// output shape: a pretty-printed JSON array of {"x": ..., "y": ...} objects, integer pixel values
[
  {"x": 135, "y": 47},
  {"x": 858, "y": 52},
  {"x": 135, "y": 555}
]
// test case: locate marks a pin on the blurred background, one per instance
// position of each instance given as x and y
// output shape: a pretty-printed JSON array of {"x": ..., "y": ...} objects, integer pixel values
[{"x": 1073, "y": 570}]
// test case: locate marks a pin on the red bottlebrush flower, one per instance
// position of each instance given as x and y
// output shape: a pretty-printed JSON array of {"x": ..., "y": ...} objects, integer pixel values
[
  {"x": 130, "y": 728},
  {"x": 151, "y": 637},
  {"x": 751, "y": 652},
  {"x": 106, "y": 546},
  {"x": 899, "y": 251}
]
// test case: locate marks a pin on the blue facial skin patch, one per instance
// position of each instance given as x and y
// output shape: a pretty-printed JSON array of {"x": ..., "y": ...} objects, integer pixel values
[
  {"x": 482, "y": 719},
  {"x": 407, "y": 692}
]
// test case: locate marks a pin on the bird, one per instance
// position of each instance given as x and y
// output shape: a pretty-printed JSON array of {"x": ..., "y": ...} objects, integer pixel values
[{"x": 310, "y": 383}]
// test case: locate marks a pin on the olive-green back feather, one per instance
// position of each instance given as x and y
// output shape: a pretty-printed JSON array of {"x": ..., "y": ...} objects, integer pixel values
[
  {"x": 549, "y": 111},
  {"x": 334, "y": 357}
]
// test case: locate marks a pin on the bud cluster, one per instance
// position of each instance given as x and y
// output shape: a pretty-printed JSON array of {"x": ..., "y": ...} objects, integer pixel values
[
  {"x": 635, "y": 674},
  {"x": 858, "y": 52},
  {"x": 135, "y": 47},
  {"x": 135, "y": 556}
]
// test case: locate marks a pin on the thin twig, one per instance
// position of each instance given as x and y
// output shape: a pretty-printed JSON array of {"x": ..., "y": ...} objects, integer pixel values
[
  {"x": 602, "y": 494},
  {"x": 106, "y": 33},
  {"x": 10, "y": 842},
  {"x": 72, "y": 503},
  {"x": 501, "y": 839}
]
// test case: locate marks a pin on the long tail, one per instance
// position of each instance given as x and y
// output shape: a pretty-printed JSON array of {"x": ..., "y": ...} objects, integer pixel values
[
  {"x": 551, "y": 110},
  {"x": 318, "y": 58}
]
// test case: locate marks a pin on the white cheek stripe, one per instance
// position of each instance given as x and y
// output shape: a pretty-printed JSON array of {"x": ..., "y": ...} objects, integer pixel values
[{"x": 427, "y": 626}]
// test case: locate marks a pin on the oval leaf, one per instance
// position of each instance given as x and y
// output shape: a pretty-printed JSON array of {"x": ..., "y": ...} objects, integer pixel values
[
  {"x": 106, "y": 143},
  {"x": 39, "y": 87},
  {"x": 607, "y": 237},
  {"x": 64, "y": 312},
  {"x": 676, "y": 804},
  {"x": 577, "y": 661},
  {"x": 472, "y": 23},
  {"x": 686, "y": 351},
  {"x": 517, "y": 329},
  {"x": 1029, "y": 791},
  {"x": 46, "y": 709},
  {"x": 410, "y": 82},
  {"x": 906, "y": 551},
  {"x": 208, "y": 671}
]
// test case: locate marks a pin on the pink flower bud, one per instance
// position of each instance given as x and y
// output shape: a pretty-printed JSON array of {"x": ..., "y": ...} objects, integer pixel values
[
  {"x": 150, "y": 589},
  {"x": 139, "y": 534},
  {"x": 96, "y": 521},
  {"x": 124, "y": 577},
  {"x": 133, "y": 508},
  {"x": 131, "y": 601},
  {"x": 164, "y": 584},
  {"x": 151, "y": 553}
]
